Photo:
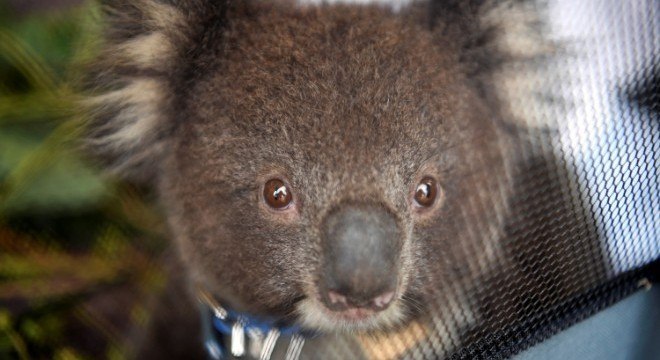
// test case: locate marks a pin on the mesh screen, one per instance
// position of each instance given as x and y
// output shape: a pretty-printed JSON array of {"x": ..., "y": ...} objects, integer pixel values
[{"x": 583, "y": 226}]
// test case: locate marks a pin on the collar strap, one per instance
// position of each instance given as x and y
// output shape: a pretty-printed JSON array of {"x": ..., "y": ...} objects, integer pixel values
[{"x": 245, "y": 334}]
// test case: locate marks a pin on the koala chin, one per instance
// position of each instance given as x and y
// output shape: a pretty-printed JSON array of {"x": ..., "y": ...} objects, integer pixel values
[{"x": 336, "y": 166}]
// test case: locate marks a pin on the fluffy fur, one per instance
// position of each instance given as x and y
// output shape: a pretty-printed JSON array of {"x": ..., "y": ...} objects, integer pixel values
[{"x": 348, "y": 104}]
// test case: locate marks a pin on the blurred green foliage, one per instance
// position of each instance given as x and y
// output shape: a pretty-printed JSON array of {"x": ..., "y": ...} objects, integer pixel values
[{"x": 77, "y": 248}]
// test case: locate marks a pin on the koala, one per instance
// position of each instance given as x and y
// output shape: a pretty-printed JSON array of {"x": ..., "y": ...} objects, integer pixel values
[{"x": 341, "y": 168}]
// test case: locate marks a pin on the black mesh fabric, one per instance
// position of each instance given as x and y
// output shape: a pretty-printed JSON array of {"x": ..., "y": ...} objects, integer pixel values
[{"x": 582, "y": 225}]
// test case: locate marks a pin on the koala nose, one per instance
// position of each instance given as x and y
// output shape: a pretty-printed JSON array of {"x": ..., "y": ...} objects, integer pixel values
[{"x": 360, "y": 260}]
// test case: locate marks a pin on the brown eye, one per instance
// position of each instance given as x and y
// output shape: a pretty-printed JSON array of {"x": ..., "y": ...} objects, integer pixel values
[
  {"x": 426, "y": 192},
  {"x": 277, "y": 194}
]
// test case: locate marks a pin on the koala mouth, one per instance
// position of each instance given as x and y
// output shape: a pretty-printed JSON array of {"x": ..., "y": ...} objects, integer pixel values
[
  {"x": 339, "y": 313},
  {"x": 347, "y": 309}
]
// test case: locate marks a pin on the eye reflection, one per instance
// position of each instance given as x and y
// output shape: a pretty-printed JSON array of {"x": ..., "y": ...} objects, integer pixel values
[
  {"x": 280, "y": 191},
  {"x": 425, "y": 189}
]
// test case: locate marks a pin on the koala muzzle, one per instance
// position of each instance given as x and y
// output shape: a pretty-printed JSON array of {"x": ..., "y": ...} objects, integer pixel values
[{"x": 360, "y": 258}]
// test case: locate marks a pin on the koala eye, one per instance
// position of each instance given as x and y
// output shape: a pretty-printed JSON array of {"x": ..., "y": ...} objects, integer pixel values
[
  {"x": 277, "y": 194},
  {"x": 426, "y": 192}
]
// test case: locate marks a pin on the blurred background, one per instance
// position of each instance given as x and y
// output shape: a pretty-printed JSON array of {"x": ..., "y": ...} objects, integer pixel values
[{"x": 78, "y": 250}]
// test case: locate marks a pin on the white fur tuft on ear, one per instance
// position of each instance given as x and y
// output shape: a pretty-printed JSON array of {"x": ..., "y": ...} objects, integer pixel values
[
  {"x": 517, "y": 23},
  {"x": 161, "y": 16},
  {"x": 522, "y": 40},
  {"x": 138, "y": 116},
  {"x": 146, "y": 51}
]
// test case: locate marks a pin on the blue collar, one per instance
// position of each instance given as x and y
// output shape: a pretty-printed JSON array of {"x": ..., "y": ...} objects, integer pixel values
[{"x": 243, "y": 334}]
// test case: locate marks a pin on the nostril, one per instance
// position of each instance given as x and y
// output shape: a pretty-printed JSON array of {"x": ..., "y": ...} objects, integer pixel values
[
  {"x": 381, "y": 301},
  {"x": 337, "y": 298},
  {"x": 340, "y": 302}
]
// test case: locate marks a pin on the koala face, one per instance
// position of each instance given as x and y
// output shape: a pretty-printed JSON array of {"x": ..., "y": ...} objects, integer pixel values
[{"x": 324, "y": 164}]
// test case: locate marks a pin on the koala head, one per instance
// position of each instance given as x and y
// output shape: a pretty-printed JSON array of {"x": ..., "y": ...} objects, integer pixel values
[{"x": 324, "y": 165}]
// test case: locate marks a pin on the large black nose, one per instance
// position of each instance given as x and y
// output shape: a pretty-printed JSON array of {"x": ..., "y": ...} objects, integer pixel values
[{"x": 361, "y": 254}]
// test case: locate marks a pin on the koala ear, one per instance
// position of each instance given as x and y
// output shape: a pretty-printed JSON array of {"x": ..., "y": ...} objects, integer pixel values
[
  {"x": 489, "y": 32},
  {"x": 130, "y": 93},
  {"x": 495, "y": 40}
]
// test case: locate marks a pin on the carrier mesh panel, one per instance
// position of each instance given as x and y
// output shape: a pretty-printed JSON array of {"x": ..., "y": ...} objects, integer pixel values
[{"x": 583, "y": 220}]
